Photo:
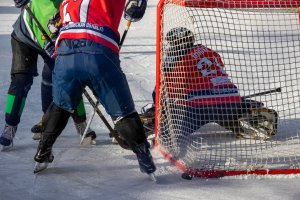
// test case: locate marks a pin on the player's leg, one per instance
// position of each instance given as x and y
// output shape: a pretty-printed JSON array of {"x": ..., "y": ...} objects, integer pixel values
[
  {"x": 24, "y": 68},
  {"x": 46, "y": 94},
  {"x": 114, "y": 94},
  {"x": 66, "y": 97},
  {"x": 227, "y": 116},
  {"x": 55, "y": 121},
  {"x": 79, "y": 118}
]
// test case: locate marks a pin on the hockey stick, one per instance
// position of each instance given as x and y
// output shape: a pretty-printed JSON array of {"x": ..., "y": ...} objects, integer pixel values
[
  {"x": 263, "y": 93},
  {"x": 124, "y": 34},
  {"x": 97, "y": 110},
  {"x": 88, "y": 124},
  {"x": 92, "y": 101},
  {"x": 113, "y": 132}
]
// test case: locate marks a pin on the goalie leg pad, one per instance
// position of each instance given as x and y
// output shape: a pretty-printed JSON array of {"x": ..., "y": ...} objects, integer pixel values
[{"x": 266, "y": 119}]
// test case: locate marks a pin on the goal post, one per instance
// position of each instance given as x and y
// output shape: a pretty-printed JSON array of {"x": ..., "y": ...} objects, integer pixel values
[{"x": 228, "y": 86}]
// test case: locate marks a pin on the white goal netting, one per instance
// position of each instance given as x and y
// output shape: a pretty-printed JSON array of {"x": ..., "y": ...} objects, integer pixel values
[{"x": 228, "y": 85}]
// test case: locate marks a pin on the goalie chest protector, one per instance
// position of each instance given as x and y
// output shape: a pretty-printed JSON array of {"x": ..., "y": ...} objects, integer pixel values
[{"x": 199, "y": 79}]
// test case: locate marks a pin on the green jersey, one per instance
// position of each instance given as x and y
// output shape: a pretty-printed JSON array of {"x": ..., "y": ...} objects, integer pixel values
[
  {"x": 43, "y": 11},
  {"x": 26, "y": 28}
]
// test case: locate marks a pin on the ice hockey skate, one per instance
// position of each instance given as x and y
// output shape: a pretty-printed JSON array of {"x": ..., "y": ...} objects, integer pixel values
[
  {"x": 90, "y": 136},
  {"x": 7, "y": 136},
  {"x": 43, "y": 157},
  {"x": 145, "y": 160},
  {"x": 37, "y": 130}
]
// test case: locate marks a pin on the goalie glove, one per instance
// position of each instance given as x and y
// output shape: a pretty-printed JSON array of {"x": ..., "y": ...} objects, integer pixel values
[{"x": 135, "y": 10}]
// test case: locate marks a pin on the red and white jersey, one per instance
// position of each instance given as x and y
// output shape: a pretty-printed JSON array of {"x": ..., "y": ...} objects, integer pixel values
[
  {"x": 96, "y": 20},
  {"x": 198, "y": 78}
]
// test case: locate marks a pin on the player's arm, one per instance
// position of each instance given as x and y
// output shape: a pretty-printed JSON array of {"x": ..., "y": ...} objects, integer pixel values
[{"x": 54, "y": 25}]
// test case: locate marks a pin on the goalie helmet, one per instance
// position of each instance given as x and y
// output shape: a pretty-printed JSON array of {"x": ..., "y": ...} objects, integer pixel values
[{"x": 181, "y": 37}]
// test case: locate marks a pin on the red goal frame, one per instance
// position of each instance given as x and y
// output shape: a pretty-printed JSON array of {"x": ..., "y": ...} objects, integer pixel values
[{"x": 215, "y": 4}]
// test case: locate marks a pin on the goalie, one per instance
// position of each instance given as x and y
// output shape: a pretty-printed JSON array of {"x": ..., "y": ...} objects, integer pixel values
[{"x": 199, "y": 91}]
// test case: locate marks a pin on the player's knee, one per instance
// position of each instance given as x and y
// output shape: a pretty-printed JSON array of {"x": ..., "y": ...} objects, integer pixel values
[
  {"x": 47, "y": 76},
  {"x": 131, "y": 129},
  {"x": 21, "y": 83}
]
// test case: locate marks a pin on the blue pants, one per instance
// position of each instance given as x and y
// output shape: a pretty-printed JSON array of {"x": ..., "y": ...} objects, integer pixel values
[{"x": 81, "y": 63}]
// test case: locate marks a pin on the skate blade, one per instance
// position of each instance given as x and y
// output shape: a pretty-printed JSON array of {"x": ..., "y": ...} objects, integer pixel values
[
  {"x": 40, "y": 167},
  {"x": 37, "y": 136},
  {"x": 114, "y": 141},
  {"x": 152, "y": 177},
  {"x": 6, "y": 148},
  {"x": 87, "y": 141}
]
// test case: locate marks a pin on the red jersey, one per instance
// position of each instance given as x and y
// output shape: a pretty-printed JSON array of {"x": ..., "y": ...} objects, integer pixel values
[
  {"x": 199, "y": 79},
  {"x": 96, "y": 20}
]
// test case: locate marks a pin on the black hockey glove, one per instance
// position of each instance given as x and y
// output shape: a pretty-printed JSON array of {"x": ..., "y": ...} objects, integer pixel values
[
  {"x": 21, "y": 3},
  {"x": 135, "y": 10},
  {"x": 50, "y": 48},
  {"x": 54, "y": 24}
]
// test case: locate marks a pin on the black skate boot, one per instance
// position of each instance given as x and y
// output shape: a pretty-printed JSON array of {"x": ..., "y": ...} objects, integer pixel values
[
  {"x": 145, "y": 159},
  {"x": 43, "y": 157},
  {"x": 37, "y": 130}
]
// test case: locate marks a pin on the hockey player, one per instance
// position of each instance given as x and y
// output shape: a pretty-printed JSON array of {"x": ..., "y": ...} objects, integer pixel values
[
  {"x": 27, "y": 43},
  {"x": 88, "y": 54},
  {"x": 200, "y": 91}
]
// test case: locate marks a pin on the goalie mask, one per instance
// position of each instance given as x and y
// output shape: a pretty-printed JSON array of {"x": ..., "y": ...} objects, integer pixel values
[{"x": 180, "y": 38}]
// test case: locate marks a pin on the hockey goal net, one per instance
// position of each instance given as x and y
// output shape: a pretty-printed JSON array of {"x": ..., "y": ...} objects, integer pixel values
[{"x": 259, "y": 46}]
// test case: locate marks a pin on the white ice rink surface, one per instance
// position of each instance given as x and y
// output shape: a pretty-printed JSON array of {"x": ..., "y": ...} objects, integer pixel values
[{"x": 106, "y": 171}]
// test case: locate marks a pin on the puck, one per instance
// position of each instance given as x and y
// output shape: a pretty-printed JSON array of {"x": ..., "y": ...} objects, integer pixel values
[{"x": 187, "y": 176}]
